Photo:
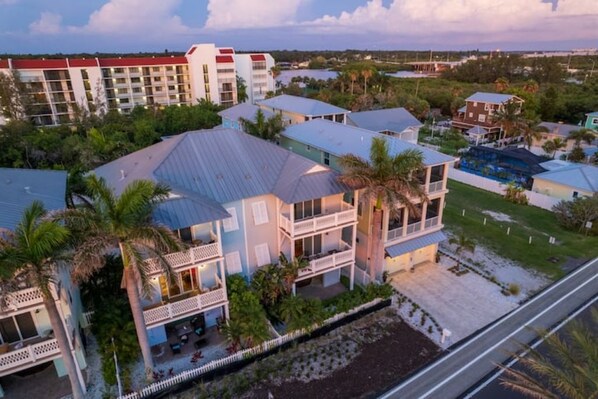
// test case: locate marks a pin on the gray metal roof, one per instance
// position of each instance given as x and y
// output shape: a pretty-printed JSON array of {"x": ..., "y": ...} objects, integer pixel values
[
  {"x": 462, "y": 109},
  {"x": 245, "y": 111},
  {"x": 492, "y": 98},
  {"x": 583, "y": 177},
  {"x": 561, "y": 129},
  {"x": 391, "y": 119},
  {"x": 416, "y": 243},
  {"x": 20, "y": 187},
  {"x": 477, "y": 130},
  {"x": 301, "y": 105},
  {"x": 178, "y": 213},
  {"x": 218, "y": 166},
  {"x": 339, "y": 139}
]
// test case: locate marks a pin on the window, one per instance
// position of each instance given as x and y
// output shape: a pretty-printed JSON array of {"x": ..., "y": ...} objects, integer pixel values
[
  {"x": 157, "y": 88},
  {"x": 475, "y": 104},
  {"x": 471, "y": 114},
  {"x": 157, "y": 79},
  {"x": 481, "y": 118},
  {"x": 308, "y": 148},
  {"x": 486, "y": 107},
  {"x": 171, "y": 88},
  {"x": 262, "y": 254},
  {"x": 233, "y": 262},
  {"x": 594, "y": 121},
  {"x": 307, "y": 209},
  {"x": 169, "y": 68},
  {"x": 308, "y": 246},
  {"x": 260, "y": 213},
  {"x": 17, "y": 328},
  {"x": 205, "y": 68},
  {"x": 326, "y": 158},
  {"x": 134, "y": 70},
  {"x": 397, "y": 221},
  {"x": 231, "y": 224},
  {"x": 575, "y": 194},
  {"x": 155, "y": 69},
  {"x": 119, "y": 70},
  {"x": 184, "y": 234},
  {"x": 136, "y": 89}
]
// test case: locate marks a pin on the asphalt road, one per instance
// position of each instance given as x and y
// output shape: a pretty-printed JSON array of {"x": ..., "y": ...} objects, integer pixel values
[{"x": 462, "y": 368}]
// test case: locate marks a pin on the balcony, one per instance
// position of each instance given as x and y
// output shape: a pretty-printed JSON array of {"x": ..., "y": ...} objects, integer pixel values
[
  {"x": 197, "y": 254},
  {"x": 435, "y": 186},
  {"x": 335, "y": 259},
  {"x": 23, "y": 299},
  {"x": 185, "y": 305},
  {"x": 19, "y": 359},
  {"x": 413, "y": 229},
  {"x": 347, "y": 215}
]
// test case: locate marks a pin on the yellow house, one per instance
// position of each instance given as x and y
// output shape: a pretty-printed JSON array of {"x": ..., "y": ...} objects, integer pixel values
[{"x": 568, "y": 182}]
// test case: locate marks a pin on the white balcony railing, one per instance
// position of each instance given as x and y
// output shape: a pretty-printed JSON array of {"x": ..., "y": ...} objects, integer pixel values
[
  {"x": 435, "y": 186},
  {"x": 198, "y": 254},
  {"x": 29, "y": 354},
  {"x": 394, "y": 234},
  {"x": 188, "y": 306},
  {"x": 431, "y": 222},
  {"x": 328, "y": 262},
  {"x": 317, "y": 223},
  {"x": 413, "y": 228},
  {"x": 23, "y": 298}
]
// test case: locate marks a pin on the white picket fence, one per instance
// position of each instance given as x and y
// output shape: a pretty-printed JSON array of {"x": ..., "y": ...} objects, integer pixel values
[
  {"x": 537, "y": 199},
  {"x": 244, "y": 354}
]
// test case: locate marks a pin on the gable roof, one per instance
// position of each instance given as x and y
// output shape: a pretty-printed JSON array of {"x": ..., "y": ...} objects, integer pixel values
[
  {"x": 339, "y": 139},
  {"x": 477, "y": 130},
  {"x": 301, "y": 105},
  {"x": 391, "y": 119},
  {"x": 492, "y": 98},
  {"x": 243, "y": 110},
  {"x": 20, "y": 187},
  {"x": 561, "y": 129},
  {"x": 593, "y": 113},
  {"x": 208, "y": 168},
  {"x": 583, "y": 177}
]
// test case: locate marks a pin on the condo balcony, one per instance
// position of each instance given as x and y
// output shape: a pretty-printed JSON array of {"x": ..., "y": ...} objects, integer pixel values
[
  {"x": 317, "y": 219},
  {"x": 22, "y": 299},
  {"x": 328, "y": 261},
  {"x": 23, "y": 355}
]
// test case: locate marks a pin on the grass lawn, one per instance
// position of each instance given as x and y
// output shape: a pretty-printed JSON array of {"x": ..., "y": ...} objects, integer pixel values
[{"x": 526, "y": 221}]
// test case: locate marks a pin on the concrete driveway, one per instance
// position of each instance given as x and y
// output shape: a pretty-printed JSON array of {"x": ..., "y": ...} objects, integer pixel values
[{"x": 460, "y": 304}]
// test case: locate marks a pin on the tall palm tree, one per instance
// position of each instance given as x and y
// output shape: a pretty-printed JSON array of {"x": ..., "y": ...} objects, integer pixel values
[
  {"x": 388, "y": 181},
  {"x": 464, "y": 244},
  {"x": 124, "y": 222},
  {"x": 580, "y": 135},
  {"x": 31, "y": 253},
  {"x": 531, "y": 131},
  {"x": 531, "y": 86},
  {"x": 501, "y": 84},
  {"x": 569, "y": 369},
  {"x": 552, "y": 146},
  {"x": 290, "y": 269},
  {"x": 366, "y": 73},
  {"x": 267, "y": 129},
  {"x": 509, "y": 118},
  {"x": 353, "y": 75}
]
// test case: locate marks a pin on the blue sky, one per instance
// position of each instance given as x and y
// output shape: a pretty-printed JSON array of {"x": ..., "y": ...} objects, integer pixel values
[{"x": 50, "y": 26}]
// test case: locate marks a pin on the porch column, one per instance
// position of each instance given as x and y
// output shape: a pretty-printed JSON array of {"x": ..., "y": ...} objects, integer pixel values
[
  {"x": 352, "y": 276},
  {"x": 222, "y": 274},
  {"x": 427, "y": 180},
  {"x": 424, "y": 212},
  {"x": 219, "y": 237},
  {"x": 440, "y": 209},
  {"x": 405, "y": 221},
  {"x": 226, "y": 312},
  {"x": 294, "y": 288}
]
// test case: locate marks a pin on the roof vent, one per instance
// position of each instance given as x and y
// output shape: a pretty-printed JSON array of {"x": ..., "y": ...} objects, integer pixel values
[
  {"x": 28, "y": 189},
  {"x": 362, "y": 138},
  {"x": 122, "y": 174}
]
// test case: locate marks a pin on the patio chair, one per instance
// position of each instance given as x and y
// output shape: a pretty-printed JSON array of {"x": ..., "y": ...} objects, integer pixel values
[
  {"x": 184, "y": 339},
  {"x": 199, "y": 326},
  {"x": 176, "y": 348}
]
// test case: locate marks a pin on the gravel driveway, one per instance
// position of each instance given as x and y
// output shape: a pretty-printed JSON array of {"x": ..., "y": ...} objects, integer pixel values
[{"x": 461, "y": 304}]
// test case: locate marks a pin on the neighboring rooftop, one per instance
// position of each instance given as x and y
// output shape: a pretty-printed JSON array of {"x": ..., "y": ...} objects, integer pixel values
[
  {"x": 561, "y": 129},
  {"x": 583, "y": 177},
  {"x": 301, "y": 105},
  {"x": 243, "y": 110},
  {"x": 339, "y": 139},
  {"x": 20, "y": 187},
  {"x": 391, "y": 119},
  {"x": 555, "y": 164},
  {"x": 207, "y": 168},
  {"x": 492, "y": 98}
]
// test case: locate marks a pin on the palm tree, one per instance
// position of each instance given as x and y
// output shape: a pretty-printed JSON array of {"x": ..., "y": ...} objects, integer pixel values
[
  {"x": 463, "y": 243},
  {"x": 31, "y": 253},
  {"x": 509, "y": 118},
  {"x": 531, "y": 86},
  {"x": 290, "y": 269},
  {"x": 531, "y": 131},
  {"x": 124, "y": 222},
  {"x": 580, "y": 135},
  {"x": 501, "y": 84},
  {"x": 552, "y": 146},
  {"x": 366, "y": 73},
  {"x": 353, "y": 75},
  {"x": 267, "y": 129},
  {"x": 568, "y": 370},
  {"x": 387, "y": 180}
]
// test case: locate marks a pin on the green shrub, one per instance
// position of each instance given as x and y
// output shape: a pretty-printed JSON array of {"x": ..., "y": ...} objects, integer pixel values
[{"x": 514, "y": 289}]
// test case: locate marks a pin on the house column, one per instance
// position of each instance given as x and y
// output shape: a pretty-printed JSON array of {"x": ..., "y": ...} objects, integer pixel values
[
  {"x": 294, "y": 289},
  {"x": 352, "y": 276},
  {"x": 445, "y": 175},
  {"x": 427, "y": 180},
  {"x": 424, "y": 212},
  {"x": 405, "y": 221},
  {"x": 441, "y": 209},
  {"x": 352, "y": 270}
]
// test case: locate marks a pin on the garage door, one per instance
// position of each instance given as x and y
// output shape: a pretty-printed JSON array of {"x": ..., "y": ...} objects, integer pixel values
[
  {"x": 425, "y": 254},
  {"x": 397, "y": 264}
]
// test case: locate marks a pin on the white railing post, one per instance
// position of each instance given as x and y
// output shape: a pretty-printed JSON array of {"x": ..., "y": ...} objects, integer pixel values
[{"x": 31, "y": 353}]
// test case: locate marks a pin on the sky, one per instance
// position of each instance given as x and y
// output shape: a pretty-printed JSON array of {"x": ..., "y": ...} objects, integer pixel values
[{"x": 69, "y": 26}]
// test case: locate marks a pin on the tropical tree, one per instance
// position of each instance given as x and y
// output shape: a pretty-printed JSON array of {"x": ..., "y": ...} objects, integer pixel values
[
  {"x": 463, "y": 244},
  {"x": 387, "y": 181},
  {"x": 301, "y": 313},
  {"x": 269, "y": 284},
  {"x": 585, "y": 135},
  {"x": 32, "y": 253},
  {"x": 353, "y": 75},
  {"x": 367, "y": 73},
  {"x": 568, "y": 369},
  {"x": 501, "y": 84},
  {"x": 531, "y": 86},
  {"x": 241, "y": 90},
  {"x": 290, "y": 269},
  {"x": 530, "y": 131},
  {"x": 552, "y": 146},
  {"x": 509, "y": 118},
  {"x": 267, "y": 129},
  {"x": 108, "y": 222}
]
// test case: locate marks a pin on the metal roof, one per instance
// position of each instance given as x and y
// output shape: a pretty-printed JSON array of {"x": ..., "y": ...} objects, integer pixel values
[
  {"x": 559, "y": 128},
  {"x": 178, "y": 213},
  {"x": 392, "y": 119},
  {"x": 477, "y": 130},
  {"x": 301, "y": 105},
  {"x": 415, "y": 243},
  {"x": 492, "y": 98},
  {"x": 593, "y": 113},
  {"x": 339, "y": 139},
  {"x": 462, "y": 109},
  {"x": 583, "y": 177},
  {"x": 218, "y": 166},
  {"x": 20, "y": 187},
  {"x": 244, "y": 110}
]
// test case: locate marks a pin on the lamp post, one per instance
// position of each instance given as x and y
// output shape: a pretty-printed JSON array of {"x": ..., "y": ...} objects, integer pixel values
[{"x": 118, "y": 383}]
